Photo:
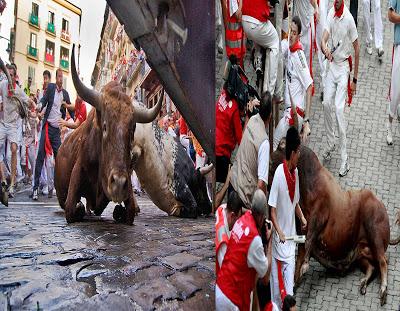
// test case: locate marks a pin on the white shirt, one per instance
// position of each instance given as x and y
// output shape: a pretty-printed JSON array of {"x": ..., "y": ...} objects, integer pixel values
[
  {"x": 341, "y": 30},
  {"x": 55, "y": 113},
  {"x": 298, "y": 77},
  {"x": 263, "y": 161},
  {"x": 305, "y": 11},
  {"x": 285, "y": 213},
  {"x": 10, "y": 108},
  {"x": 233, "y": 7}
]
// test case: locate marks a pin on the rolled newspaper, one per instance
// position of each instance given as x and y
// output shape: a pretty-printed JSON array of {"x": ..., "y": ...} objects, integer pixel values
[{"x": 296, "y": 238}]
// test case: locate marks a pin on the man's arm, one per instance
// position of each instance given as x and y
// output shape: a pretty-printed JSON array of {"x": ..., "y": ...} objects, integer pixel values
[
  {"x": 324, "y": 47},
  {"x": 44, "y": 100},
  {"x": 393, "y": 16},
  {"x": 356, "y": 46},
  {"x": 299, "y": 214},
  {"x": 70, "y": 125},
  {"x": 314, "y": 3},
  {"x": 263, "y": 166},
  {"x": 274, "y": 220}
]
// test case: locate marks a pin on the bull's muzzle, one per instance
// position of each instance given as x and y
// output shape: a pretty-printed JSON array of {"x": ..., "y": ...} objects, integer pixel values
[{"x": 118, "y": 186}]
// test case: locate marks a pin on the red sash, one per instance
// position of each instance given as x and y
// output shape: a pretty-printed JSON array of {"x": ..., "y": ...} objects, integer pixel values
[
  {"x": 47, "y": 145},
  {"x": 349, "y": 95},
  {"x": 290, "y": 180}
]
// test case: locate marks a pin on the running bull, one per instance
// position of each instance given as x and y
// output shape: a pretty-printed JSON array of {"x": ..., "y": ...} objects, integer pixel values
[
  {"x": 95, "y": 160},
  {"x": 167, "y": 173},
  {"x": 344, "y": 227}
]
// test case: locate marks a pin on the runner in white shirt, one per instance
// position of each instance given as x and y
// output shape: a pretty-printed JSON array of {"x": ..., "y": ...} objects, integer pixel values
[
  {"x": 284, "y": 202},
  {"x": 298, "y": 83},
  {"x": 305, "y": 9},
  {"x": 9, "y": 124},
  {"x": 378, "y": 26},
  {"x": 319, "y": 31},
  {"x": 341, "y": 35}
]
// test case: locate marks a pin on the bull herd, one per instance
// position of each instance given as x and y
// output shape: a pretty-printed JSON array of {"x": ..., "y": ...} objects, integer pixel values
[{"x": 345, "y": 228}]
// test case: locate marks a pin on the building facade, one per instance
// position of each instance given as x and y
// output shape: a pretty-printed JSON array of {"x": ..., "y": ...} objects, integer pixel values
[
  {"x": 44, "y": 33},
  {"x": 119, "y": 60}
]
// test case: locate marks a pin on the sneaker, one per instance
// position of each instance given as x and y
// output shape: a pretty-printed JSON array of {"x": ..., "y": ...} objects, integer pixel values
[
  {"x": 11, "y": 192},
  {"x": 35, "y": 195},
  {"x": 380, "y": 52},
  {"x": 258, "y": 63},
  {"x": 327, "y": 155},
  {"x": 45, "y": 190},
  {"x": 389, "y": 136},
  {"x": 344, "y": 169},
  {"x": 369, "y": 49}
]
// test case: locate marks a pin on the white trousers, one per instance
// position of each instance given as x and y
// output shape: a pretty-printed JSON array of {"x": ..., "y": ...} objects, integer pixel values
[
  {"x": 307, "y": 39},
  {"x": 288, "y": 268},
  {"x": 265, "y": 35},
  {"x": 223, "y": 303},
  {"x": 335, "y": 98},
  {"x": 319, "y": 33},
  {"x": 378, "y": 26},
  {"x": 283, "y": 126},
  {"x": 395, "y": 83}
]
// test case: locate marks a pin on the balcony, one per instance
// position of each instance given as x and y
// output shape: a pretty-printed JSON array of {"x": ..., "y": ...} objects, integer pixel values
[
  {"x": 32, "y": 53},
  {"x": 34, "y": 21},
  {"x": 51, "y": 29},
  {"x": 133, "y": 70},
  {"x": 65, "y": 36},
  {"x": 49, "y": 59},
  {"x": 64, "y": 65}
]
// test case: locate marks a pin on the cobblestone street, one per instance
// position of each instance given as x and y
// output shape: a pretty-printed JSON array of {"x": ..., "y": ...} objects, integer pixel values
[
  {"x": 373, "y": 165},
  {"x": 160, "y": 262}
]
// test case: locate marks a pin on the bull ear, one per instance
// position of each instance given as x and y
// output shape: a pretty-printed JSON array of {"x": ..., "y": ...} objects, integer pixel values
[
  {"x": 92, "y": 97},
  {"x": 144, "y": 115},
  {"x": 206, "y": 169}
]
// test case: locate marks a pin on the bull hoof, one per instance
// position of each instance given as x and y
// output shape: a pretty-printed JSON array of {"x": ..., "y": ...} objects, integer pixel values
[
  {"x": 120, "y": 213},
  {"x": 383, "y": 295},
  {"x": 363, "y": 287}
]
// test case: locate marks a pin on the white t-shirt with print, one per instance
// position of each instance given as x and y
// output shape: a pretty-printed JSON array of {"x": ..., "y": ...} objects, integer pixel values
[
  {"x": 285, "y": 213},
  {"x": 298, "y": 77},
  {"x": 341, "y": 29},
  {"x": 10, "y": 107}
]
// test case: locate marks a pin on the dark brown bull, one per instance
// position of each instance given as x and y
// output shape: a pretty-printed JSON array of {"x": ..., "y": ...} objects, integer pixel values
[
  {"x": 95, "y": 160},
  {"x": 344, "y": 227}
]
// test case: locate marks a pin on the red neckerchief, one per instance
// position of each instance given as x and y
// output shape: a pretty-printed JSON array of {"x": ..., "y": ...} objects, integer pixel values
[
  {"x": 9, "y": 89},
  {"x": 339, "y": 13},
  {"x": 295, "y": 47},
  {"x": 59, "y": 89},
  {"x": 290, "y": 180}
]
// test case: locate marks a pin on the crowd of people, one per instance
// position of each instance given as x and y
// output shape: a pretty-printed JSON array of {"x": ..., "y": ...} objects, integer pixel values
[
  {"x": 29, "y": 145},
  {"x": 249, "y": 247}
]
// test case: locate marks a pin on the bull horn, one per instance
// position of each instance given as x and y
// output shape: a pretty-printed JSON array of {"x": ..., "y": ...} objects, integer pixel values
[
  {"x": 144, "y": 115},
  {"x": 92, "y": 97},
  {"x": 4, "y": 69},
  {"x": 206, "y": 169}
]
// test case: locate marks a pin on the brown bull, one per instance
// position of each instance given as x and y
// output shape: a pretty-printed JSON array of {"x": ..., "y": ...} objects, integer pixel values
[
  {"x": 95, "y": 161},
  {"x": 344, "y": 227}
]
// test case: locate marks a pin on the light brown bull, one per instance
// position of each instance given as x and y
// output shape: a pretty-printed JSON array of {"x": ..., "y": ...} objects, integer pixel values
[{"x": 344, "y": 227}]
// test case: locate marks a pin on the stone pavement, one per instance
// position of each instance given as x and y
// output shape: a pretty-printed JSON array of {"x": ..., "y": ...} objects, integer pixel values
[
  {"x": 161, "y": 262},
  {"x": 373, "y": 165}
]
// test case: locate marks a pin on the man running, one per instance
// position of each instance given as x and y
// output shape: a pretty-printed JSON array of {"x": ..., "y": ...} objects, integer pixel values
[{"x": 342, "y": 34}]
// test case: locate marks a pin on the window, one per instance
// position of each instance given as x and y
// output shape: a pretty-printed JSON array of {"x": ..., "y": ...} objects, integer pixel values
[
  {"x": 64, "y": 58},
  {"x": 65, "y": 25},
  {"x": 51, "y": 17},
  {"x": 49, "y": 53},
  {"x": 35, "y": 9},
  {"x": 31, "y": 73},
  {"x": 33, "y": 40}
]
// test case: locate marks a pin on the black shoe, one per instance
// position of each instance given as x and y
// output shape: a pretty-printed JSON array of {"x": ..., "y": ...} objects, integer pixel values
[{"x": 4, "y": 194}]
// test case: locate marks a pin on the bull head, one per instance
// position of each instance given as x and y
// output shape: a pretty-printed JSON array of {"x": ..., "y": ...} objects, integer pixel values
[{"x": 115, "y": 121}]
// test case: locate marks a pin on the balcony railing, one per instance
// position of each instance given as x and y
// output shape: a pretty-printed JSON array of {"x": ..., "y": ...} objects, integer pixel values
[
  {"x": 51, "y": 28},
  {"x": 34, "y": 20},
  {"x": 65, "y": 36},
  {"x": 32, "y": 52},
  {"x": 64, "y": 64}
]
